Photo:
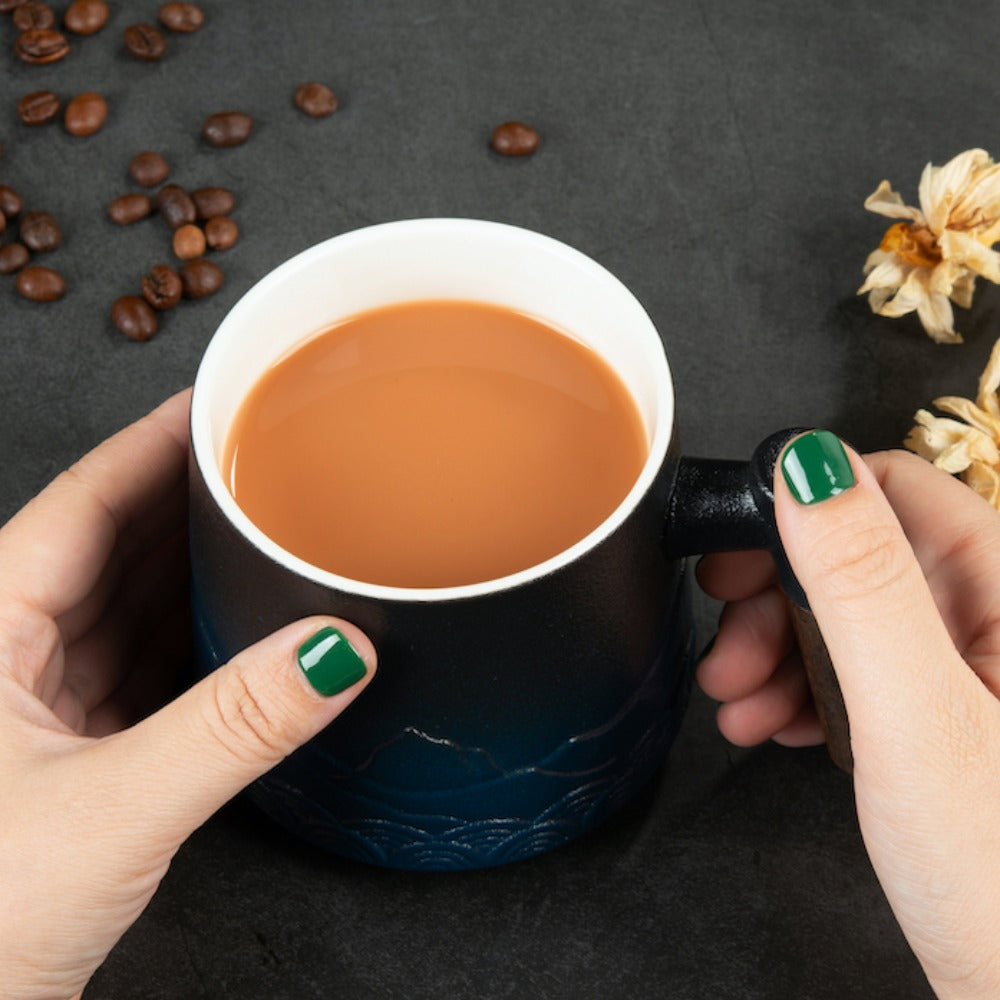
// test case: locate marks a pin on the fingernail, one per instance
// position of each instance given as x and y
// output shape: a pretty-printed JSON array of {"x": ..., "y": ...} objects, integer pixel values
[
  {"x": 816, "y": 467},
  {"x": 330, "y": 662}
]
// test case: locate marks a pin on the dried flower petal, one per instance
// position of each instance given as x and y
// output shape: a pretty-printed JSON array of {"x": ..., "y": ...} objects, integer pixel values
[{"x": 931, "y": 259}]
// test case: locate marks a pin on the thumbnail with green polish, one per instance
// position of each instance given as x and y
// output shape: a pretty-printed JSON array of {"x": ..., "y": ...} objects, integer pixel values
[
  {"x": 329, "y": 662},
  {"x": 816, "y": 467}
]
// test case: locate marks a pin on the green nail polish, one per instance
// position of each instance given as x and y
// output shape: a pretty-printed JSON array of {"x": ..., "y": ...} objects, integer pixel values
[
  {"x": 816, "y": 467},
  {"x": 329, "y": 662}
]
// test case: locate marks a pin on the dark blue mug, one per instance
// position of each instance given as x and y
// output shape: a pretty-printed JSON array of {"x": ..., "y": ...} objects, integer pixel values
[{"x": 507, "y": 717}]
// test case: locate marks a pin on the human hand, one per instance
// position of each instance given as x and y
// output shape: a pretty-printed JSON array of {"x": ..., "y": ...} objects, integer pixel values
[
  {"x": 901, "y": 573},
  {"x": 93, "y": 619}
]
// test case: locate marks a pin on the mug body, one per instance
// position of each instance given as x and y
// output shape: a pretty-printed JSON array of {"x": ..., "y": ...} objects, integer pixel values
[{"x": 506, "y": 717}]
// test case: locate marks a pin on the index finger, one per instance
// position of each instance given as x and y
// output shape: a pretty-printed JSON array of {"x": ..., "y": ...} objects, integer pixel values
[{"x": 53, "y": 551}]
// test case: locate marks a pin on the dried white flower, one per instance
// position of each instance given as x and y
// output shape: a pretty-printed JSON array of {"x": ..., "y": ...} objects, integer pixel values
[
  {"x": 970, "y": 449},
  {"x": 932, "y": 258}
]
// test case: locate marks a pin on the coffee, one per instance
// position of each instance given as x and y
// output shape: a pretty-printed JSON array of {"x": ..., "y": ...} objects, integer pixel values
[{"x": 434, "y": 444}]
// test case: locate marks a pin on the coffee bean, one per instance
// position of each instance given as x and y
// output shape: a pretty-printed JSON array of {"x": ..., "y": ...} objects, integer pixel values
[
  {"x": 33, "y": 14},
  {"x": 7, "y": 6},
  {"x": 189, "y": 242},
  {"x": 86, "y": 17},
  {"x": 175, "y": 206},
  {"x": 315, "y": 99},
  {"x": 145, "y": 42},
  {"x": 13, "y": 256},
  {"x": 514, "y": 139},
  {"x": 221, "y": 232},
  {"x": 85, "y": 114},
  {"x": 182, "y": 17},
  {"x": 227, "y": 128},
  {"x": 212, "y": 201},
  {"x": 41, "y": 45},
  {"x": 149, "y": 169},
  {"x": 38, "y": 107},
  {"x": 162, "y": 287},
  {"x": 129, "y": 208},
  {"x": 40, "y": 232},
  {"x": 40, "y": 284},
  {"x": 200, "y": 278},
  {"x": 134, "y": 317},
  {"x": 10, "y": 202}
]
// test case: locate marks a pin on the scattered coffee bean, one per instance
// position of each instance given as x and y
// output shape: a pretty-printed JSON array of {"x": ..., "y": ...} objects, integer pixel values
[
  {"x": 175, "y": 206},
  {"x": 162, "y": 287},
  {"x": 315, "y": 99},
  {"x": 40, "y": 284},
  {"x": 40, "y": 232},
  {"x": 514, "y": 139},
  {"x": 149, "y": 169},
  {"x": 85, "y": 114},
  {"x": 227, "y": 128},
  {"x": 6, "y": 6},
  {"x": 86, "y": 17},
  {"x": 134, "y": 317},
  {"x": 221, "y": 232},
  {"x": 129, "y": 208},
  {"x": 201, "y": 278},
  {"x": 10, "y": 202},
  {"x": 13, "y": 256},
  {"x": 33, "y": 14},
  {"x": 41, "y": 45},
  {"x": 38, "y": 107},
  {"x": 189, "y": 242},
  {"x": 145, "y": 42},
  {"x": 212, "y": 201},
  {"x": 182, "y": 17}
]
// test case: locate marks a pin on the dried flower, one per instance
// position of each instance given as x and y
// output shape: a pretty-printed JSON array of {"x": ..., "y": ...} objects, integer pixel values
[
  {"x": 932, "y": 258},
  {"x": 970, "y": 449}
]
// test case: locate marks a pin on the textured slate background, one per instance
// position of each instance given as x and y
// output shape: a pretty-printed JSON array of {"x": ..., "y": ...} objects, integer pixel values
[{"x": 715, "y": 156}]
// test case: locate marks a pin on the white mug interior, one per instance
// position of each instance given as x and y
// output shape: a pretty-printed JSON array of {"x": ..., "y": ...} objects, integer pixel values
[{"x": 428, "y": 259}]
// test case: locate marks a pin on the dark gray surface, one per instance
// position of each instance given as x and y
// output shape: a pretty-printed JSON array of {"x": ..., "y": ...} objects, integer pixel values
[{"x": 715, "y": 157}]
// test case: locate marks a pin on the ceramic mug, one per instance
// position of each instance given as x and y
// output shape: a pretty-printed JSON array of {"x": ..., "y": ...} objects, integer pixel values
[{"x": 506, "y": 717}]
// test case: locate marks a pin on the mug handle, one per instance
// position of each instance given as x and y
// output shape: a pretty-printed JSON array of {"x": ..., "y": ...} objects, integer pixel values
[{"x": 720, "y": 506}]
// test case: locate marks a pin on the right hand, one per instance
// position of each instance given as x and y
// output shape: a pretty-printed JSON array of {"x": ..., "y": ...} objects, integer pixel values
[{"x": 902, "y": 571}]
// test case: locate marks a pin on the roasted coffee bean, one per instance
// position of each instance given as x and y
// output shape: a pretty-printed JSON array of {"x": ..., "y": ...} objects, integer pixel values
[
  {"x": 85, "y": 114},
  {"x": 134, "y": 317},
  {"x": 6, "y": 6},
  {"x": 40, "y": 284},
  {"x": 38, "y": 107},
  {"x": 86, "y": 17},
  {"x": 13, "y": 256},
  {"x": 145, "y": 42},
  {"x": 227, "y": 128},
  {"x": 33, "y": 14},
  {"x": 221, "y": 232},
  {"x": 40, "y": 232},
  {"x": 200, "y": 278},
  {"x": 149, "y": 169},
  {"x": 129, "y": 208},
  {"x": 212, "y": 201},
  {"x": 41, "y": 45},
  {"x": 315, "y": 99},
  {"x": 175, "y": 206},
  {"x": 514, "y": 139},
  {"x": 189, "y": 242},
  {"x": 10, "y": 202},
  {"x": 182, "y": 17},
  {"x": 162, "y": 287}
]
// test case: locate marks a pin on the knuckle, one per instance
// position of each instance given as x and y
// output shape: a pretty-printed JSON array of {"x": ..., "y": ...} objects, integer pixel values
[{"x": 242, "y": 724}]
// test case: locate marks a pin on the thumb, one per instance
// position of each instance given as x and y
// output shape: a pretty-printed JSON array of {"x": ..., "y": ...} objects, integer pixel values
[
  {"x": 188, "y": 759},
  {"x": 898, "y": 668}
]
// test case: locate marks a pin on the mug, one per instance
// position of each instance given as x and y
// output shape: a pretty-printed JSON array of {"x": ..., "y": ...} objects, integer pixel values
[{"x": 506, "y": 717}]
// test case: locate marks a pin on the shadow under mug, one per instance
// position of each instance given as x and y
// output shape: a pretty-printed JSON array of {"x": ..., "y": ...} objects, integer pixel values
[{"x": 509, "y": 717}]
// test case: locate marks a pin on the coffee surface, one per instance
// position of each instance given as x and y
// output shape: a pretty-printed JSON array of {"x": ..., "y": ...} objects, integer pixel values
[{"x": 434, "y": 443}]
